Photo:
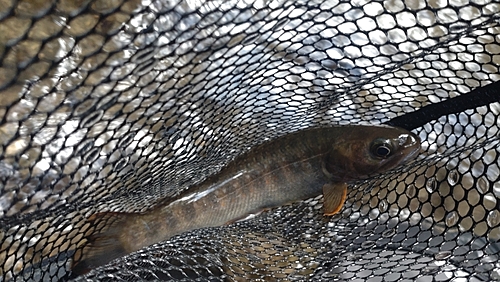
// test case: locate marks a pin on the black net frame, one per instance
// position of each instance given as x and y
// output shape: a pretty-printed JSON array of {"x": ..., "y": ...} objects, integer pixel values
[{"x": 115, "y": 105}]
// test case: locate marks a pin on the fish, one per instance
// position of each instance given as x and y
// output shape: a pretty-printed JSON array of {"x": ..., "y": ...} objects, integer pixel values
[{"x": 294, "y": 167}]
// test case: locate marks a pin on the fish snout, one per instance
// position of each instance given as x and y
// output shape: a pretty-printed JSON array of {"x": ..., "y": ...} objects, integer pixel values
[{"x": 410, "y": 146}]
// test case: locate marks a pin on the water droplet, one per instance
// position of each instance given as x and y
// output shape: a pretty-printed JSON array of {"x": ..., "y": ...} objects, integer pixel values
[
  {"x": 453, "y": 177},
  {"x": 84, "y": 147},
  {"x": 430, "y": 269},
  {"x": 92, "y": 155},
  {"x": 495, "y": 275},
  {"x": 493, "y": 218},
  {"x": 353, "y": 257},
  {"x": 383, "y": 206},
  {"x": 451, "y": 218},
  {"x": 125, "y": 140},
  {"x": 411, "y": 191},
  {"x": 365, "y": 233},
  {"x": 329, "y": 275},
  {"x": 458, "y": 27},
  {"x": 367, "y": 244},
  {"x": 442, "y": 255},
  {"x": 121, "y": 164},
  {"x": 431, "y": 185},
  {"x": 92, "y": 118},
  {"x": 483, "y": 185},
  {"x": 368, "y": 188},
  {"x": 389, "y": 233}
]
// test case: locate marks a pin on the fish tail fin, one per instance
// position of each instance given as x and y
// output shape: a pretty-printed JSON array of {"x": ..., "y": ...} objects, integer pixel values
[{"x": 105, "y": 244}]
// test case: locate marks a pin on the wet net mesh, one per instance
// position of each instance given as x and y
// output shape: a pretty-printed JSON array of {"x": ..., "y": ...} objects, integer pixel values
[{"x": 115, "y": 105}]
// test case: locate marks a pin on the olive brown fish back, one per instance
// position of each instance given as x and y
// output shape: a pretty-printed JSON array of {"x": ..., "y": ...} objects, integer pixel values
[{"x": 115, "y": 105}]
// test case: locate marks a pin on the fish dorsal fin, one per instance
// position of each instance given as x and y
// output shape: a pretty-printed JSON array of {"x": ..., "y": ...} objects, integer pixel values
[{"x": 334, "y": 197}]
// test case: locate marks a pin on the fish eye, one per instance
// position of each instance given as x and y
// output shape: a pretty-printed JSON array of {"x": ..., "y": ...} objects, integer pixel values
[{"x": 381, "y": 148}]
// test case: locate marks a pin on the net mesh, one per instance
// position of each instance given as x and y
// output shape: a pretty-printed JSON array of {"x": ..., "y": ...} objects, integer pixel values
[{"x": 115, "y": 105}]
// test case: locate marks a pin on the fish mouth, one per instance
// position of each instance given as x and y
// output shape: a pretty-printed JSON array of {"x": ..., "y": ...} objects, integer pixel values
[{"x": 411, "y": 146}]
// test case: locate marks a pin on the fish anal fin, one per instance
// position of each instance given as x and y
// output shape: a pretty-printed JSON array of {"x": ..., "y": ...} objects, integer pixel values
[
  {"x": 334, "y": 195},
  {"x": 104, "y": 245}
]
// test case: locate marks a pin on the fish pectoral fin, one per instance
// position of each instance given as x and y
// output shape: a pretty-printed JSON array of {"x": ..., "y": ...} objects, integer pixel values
[{"x": 334, "y": 195}]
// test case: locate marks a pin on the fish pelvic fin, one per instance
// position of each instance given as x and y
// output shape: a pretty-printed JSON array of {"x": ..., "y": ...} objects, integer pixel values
[
  {"x": 104, "y": 245},
  {"x": 334, "y": 195}
]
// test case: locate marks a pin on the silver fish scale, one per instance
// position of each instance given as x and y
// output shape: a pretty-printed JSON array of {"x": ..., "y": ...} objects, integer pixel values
[{"x": 115, "y": 105}]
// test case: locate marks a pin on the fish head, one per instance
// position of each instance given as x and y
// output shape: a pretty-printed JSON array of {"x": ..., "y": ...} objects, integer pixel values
[{"x": 364, "y": 151}]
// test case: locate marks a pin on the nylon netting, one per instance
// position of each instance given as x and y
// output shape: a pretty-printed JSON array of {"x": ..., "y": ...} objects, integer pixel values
[{"x": 115, "y": 105}]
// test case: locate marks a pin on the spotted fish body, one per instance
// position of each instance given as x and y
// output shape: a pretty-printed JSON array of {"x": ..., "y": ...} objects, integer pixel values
[{"x": 291, "y": 168}]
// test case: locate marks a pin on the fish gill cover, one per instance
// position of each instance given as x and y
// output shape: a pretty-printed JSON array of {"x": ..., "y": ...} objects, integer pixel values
[{"x": 115, "y": 105}]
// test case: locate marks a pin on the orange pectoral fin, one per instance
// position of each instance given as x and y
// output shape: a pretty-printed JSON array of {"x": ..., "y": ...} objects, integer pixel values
[{"x": 334, "y": 195}]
